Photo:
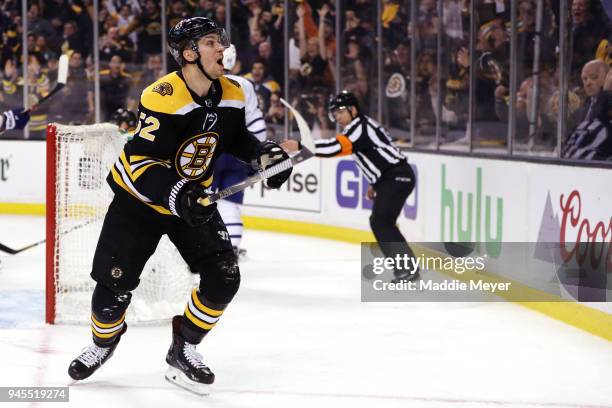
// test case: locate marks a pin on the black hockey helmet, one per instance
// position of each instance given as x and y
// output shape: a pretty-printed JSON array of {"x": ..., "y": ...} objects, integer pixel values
[
  {"x": 343, "y": 100},
  {"x": 122, "y": 115},
  {"x": 187, "y": 33}
]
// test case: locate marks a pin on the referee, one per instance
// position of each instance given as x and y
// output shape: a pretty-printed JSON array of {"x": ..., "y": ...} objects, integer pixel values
[{"x": 390, "y": 176}]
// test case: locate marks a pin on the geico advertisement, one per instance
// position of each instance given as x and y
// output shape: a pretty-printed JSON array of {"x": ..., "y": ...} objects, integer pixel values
[
  {"x": 22, "y": 172},
  {"x": 351, "y": 186},
  {"x": 301, "y": 192}
]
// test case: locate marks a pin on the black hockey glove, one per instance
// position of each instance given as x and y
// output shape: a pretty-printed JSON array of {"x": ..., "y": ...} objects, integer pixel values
[
  {"x": 272, "y": 153},
  {"x": 183, "y": 202}
]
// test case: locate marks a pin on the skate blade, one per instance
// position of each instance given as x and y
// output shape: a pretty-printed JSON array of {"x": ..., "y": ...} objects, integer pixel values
[{"x": 178, "y": 378}]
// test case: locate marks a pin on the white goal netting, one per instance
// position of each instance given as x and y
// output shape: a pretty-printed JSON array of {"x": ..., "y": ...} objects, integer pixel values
[{"x": 77, "y": 199}]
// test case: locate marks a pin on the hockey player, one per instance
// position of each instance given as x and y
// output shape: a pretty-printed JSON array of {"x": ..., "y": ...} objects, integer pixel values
[
  {"x": 14, "y": 119},
  {"x": 390, "y": 176},
  {"x": 229, "y": 170},
  {"x": 125, "y": 119},
  {"x": 186, "y": 119}
]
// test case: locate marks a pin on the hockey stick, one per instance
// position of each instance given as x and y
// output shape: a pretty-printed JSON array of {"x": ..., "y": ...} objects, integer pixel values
[
  {"x": 62, "y": 77},
  {"x": 12, "y": 251},
  {"x": 305, "y": 153}
]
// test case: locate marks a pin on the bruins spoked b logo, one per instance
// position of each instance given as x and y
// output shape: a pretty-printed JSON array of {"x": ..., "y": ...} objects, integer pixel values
[{"x": 194, "y": 156}]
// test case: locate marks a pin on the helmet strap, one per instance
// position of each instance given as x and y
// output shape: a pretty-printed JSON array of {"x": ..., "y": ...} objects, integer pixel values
[
  {"x": 194, "y": 48},
  {"x": 199, "y": 64},
  {"x": 200, "y": 67}
]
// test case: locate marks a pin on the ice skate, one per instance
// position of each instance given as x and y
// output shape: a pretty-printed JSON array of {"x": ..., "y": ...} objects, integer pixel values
[
  {"x": 186, "y": 368},
  {"x": 92, "y": 358}
]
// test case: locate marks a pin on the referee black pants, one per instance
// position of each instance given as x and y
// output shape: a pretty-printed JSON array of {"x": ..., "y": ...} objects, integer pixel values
[{"x": 392, "y": 190}]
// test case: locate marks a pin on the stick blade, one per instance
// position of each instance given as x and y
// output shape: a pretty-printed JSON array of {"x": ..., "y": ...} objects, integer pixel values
[
  {"x": 8, "y": 250},
  {"x": 302, "y": 126},
  {"x": 62, "y": 69}
]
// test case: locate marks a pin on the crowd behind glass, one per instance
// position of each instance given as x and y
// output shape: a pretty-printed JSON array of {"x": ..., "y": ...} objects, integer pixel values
[{"x": 520, "y": 77}]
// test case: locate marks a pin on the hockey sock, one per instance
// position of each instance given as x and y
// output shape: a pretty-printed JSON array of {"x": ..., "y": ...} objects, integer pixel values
[
  {"x": 200, "y": 317},
  {"x": 108, "y": 310},
  {"x": 105, "y": 333},
  {"x": 230, "y": 212}
]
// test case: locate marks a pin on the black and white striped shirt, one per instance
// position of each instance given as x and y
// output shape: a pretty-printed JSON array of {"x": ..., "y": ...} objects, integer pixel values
[
  {"x": 370, "y": 144},
  {"x": 591, "y": 140}
]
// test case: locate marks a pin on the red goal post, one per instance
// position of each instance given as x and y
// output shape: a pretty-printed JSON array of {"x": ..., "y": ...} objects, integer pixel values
[{"x": 77, "y": 197}]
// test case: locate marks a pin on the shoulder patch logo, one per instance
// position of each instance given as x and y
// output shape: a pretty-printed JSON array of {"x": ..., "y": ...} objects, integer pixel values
[{"x": 163, "y": 88}]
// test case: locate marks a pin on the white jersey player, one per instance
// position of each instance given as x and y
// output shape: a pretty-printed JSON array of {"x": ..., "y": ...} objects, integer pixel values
[
  {"x": 254, "y": 117},
  {"x": 229, "y": 170}
]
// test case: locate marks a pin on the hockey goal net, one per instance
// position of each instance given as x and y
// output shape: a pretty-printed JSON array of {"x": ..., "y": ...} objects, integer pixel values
[{"x": 78, "y": 160}]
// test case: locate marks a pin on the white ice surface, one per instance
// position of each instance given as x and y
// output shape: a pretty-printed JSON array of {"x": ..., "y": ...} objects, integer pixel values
[{"x": 297, "y": 335}]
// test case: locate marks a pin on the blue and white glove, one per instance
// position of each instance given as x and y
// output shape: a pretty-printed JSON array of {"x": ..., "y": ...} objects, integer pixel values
[{"x": 15, "y": 119}]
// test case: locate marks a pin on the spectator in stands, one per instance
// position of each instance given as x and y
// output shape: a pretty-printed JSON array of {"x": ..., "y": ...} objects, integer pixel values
[
  {"x": 353, "y": 72},
  {"x": 593, "y": 79},
  {"x": 149, "y": 26},
  {"x": 125, "y": 19},
  {"x": 72, "y": 39},
  {"x": 112, "y": 43},
  {"x": 352, "y": 25},
  {"x": 77, "y": 105},
  {"x": 205, "y": 8},
  {"x": 590, "y": 26},
  {"x": 33, "y": 48},
  {"x": 427, "y": 30},
  {"x": 394, "y": 23},
  {"x": 10, "y": 32},
  {"x": 527, "y": 35},
  {"x": 264, "y": 85},
  {"x": 457, "y": 86},
  {"x": 114, "y": 87},
  {"x": 397, "y": 86},
  {"x": 537, "y": 129},
  {"x": 176, "y": 13},
  {"x": 276, "y": 112},
  {"x": 264, "y": 52},
  {"x": 107, "y": 20},
  {"x": 58, "y": 13},
  {"x": 152, "y": 72},
  {"x": 327, "y": 38},
  {"x": 573, "y": 109},
  {"x": 327, "y": 44},
  {"x": 39, "y": 26},
  {"x": 313, "y": 66},
  {"x": 12, "y": 90},
  {"x": 492, "y": 70},
  {"x": 452, "y": 21},
  {"x": 294, "y": 52},
  {"x": 220, "y": 13},
  {"x": 592, "y": 138},
  {"x": 43, "y": 49},
  {"x": 38, "y": 87},
  {"x": 257, "y": 32},
  {"x": 426, "y": 75}
]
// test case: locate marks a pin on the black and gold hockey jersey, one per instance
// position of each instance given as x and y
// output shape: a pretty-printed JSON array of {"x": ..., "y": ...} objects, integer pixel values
[{"x": 178, "y": 138}]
